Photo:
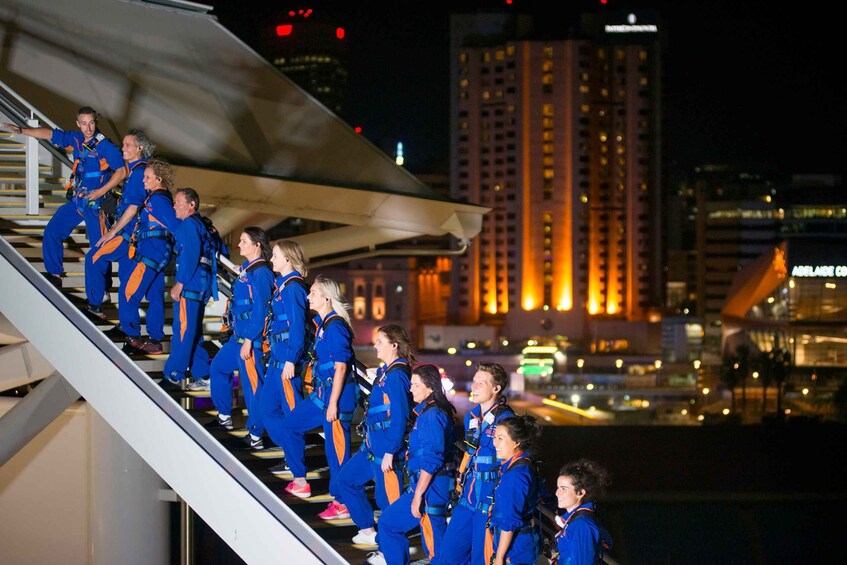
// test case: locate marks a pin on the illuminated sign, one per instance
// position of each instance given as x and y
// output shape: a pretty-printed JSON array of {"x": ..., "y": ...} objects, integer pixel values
[
  {"x": 631, "y": 27},
  {"x": 819, "y": 271}
]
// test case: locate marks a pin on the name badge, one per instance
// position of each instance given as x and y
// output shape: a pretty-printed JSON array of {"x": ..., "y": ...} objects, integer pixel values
[
  {"x": 474, "y": 424},
  {"x": 489, "y": 418}
]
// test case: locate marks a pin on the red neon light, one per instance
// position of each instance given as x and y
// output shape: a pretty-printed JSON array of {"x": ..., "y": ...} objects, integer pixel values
[
  {"x": 339, "y": 32},
  {"x": 284, "y": 30}
]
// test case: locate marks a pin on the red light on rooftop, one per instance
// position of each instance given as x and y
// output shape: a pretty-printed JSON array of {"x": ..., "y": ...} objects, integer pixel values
[
  {"x": 284, "y": 30},
  {"x": 358, "y": 129},
  {"x": 339, "y": 33}
]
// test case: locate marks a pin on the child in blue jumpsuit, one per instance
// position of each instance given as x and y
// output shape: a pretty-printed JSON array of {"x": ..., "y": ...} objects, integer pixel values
[
  {"x": 153, "y": 237},
  {"x": 251, "y": 293},
  {"x": 98, "y": 167},
  {"x": 513, "y": 535},
  {"x": 191, "y": 291},
  {"x": 331, "y": 401},
  {"x": 431, "y": 475},
  {"x": 582, "y": 540},
  {"x": 286, "y": 335},
  {"x": 383, "y": 426},
  {"x": 464, "y": 541},
  {"x": 113, "y": 247}
]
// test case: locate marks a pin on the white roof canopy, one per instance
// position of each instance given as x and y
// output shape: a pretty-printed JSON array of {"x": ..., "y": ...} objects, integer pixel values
[{"x": 251, "y": 142}]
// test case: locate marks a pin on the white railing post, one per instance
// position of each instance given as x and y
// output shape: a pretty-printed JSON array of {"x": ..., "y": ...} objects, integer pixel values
[{"x": 32, "y": 181}]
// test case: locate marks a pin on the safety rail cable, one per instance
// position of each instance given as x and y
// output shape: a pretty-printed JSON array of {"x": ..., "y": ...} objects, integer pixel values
[{"x": 168, "y": 438}]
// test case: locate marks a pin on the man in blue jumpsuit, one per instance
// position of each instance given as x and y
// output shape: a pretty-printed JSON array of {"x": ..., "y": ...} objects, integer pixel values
[
  {"x": 464, "y": 541},
  {"x": 98, "y": 168},
  {"x": 113, "y": 247},
  {"x": 191, "y": 291}
]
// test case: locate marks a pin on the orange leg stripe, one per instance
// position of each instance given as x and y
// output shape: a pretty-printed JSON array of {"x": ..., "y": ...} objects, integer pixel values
[
  {"x": 392, "y": 486},
  {"x": 426, "y": 531},
  {"x": 338, "y": 441},
  {"x": 289, "y": 393},
  {"x": 134, "y": 280},
  {"x": 183, "y": 318},
  {"x": 252, "y": 374},
  {"x": 489, "y": 546},
  {"x": 107, "y": 247},
  {"x": 102, "y": 223}
]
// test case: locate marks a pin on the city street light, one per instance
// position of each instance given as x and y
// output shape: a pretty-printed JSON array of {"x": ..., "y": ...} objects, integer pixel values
[
  {"x": 658, "y": 365},
  {"x": 619, "y": 364},
  {"x": 580, "y": 363},
  {"x": 697, "y": 365}
]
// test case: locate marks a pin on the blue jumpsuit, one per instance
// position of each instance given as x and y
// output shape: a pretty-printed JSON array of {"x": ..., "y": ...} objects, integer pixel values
[
  {"x": 514, "y": 505},
  {"x": 581, "y": 541},
  {"x": 464, "y": 541},
  {"x": 287, "y": 331},
  {"x": 386, "y": 415},
  {"x": 431, "y": 450},
  {"x": 333, "y": 343},
  {"x": 98, "y": 260},
  {"x": 93, "y": 169},
  {"x": 251, "y": 293},
  {"x": 194, "y": 271},
  {"x": 145, "y": 275}
]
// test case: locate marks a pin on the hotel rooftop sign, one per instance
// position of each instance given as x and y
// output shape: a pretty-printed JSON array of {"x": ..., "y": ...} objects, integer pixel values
[{"x": 631, "y": 26}]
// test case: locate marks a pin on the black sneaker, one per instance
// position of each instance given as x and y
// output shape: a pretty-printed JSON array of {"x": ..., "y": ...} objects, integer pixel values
[
  {"x": 151, "y": 346},
  {"x": 219, "y": 424},
  {"x": 252, "y": 444},
  {"x": 280, "y": 469},
  {"x": 55, "y": 280}
]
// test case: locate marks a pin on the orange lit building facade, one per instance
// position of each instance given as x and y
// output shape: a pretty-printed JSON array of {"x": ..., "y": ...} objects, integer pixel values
[{"x": 561, "y": 138}]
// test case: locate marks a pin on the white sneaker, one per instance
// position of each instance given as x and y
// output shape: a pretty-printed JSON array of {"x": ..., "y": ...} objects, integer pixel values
[
  {"x": 199, "y": 385},
  {"x": 364, "y": 539},
  {"x": 376, "y": 558}
]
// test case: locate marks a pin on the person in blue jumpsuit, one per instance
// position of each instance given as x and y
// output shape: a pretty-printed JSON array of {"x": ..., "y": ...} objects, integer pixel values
[
  {"x": 191, "y": 291},
  {"x": 331, "y": 398},
  {"x": 251, "y": 294},
  {"x": 513, "y": 535},
  {"x": 113, "y": 247},
  {"x": 582, "y": 540},
  {"x": 287, "y": 339},
  {"x": 430, "y": 468},
  {"x": 383, "y": 428},
  {"x": 98, "y": 167},
  {"x": 464, "y": 541},
  {"x": 151, "y": 249}
]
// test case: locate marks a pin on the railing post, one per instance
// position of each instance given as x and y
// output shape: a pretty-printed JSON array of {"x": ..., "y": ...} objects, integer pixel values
[{"x": 32, "y": 181}]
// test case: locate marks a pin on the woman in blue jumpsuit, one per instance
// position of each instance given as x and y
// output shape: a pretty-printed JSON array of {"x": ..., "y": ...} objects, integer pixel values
[
  {"x": 383, "y": 426},
  {"x": 153, "y": 237},
  {"x": 191, "y": 291},
  {"x": 513, "y": 535},
  {"x": 113, "y": 247},
  {"x": 286, "y": 335},
  {"x": 430, "y": 470},
  {"x": 251, "y": 293},
  {"x": 464, "y": 541},
  {"x": 331, "y": 397},
  {"x": 582, "y": 541}
]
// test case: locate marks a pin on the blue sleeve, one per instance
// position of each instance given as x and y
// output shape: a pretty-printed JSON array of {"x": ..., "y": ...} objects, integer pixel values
[
  {"x": 189, "y": 255},
  {"x": 579, "y": 545},
  {"x": 109, "y": 151},
  {"x": 261, "y": 281},
  {"x": 296, "y": 308},
  {"x": 397, "y": 383},
  {"x": 163, "y": 212},
  {"x": 64, "y": 139},
  {"x": 510, "y": 497},
  {"x": 339, "y": 342},
  {"x": 432, "y": 440}
]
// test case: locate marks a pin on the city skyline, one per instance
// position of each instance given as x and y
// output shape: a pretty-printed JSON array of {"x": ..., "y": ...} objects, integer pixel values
[{"x": 743, "y": 85}]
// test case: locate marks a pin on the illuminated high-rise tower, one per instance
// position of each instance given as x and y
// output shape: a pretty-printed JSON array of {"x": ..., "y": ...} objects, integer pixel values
[
  {"x": 308, "y": 46},
  {"x": 560, "y": 134}
]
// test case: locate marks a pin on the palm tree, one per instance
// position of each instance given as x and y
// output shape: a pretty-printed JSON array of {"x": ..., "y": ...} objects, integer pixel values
[
  {"x": 729, "y": 375},
  {"x": 742, "y": 361}
]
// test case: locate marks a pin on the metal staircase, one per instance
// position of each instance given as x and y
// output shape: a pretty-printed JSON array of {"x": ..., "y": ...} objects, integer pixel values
[{"x": 291, "y": 524}]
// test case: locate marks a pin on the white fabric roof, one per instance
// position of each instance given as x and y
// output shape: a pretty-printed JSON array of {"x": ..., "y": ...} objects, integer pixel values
[{"x": 249, "y": 140}]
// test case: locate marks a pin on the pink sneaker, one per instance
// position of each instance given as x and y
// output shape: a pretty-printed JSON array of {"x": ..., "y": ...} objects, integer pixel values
[
  {"x": 300, "y": 491},
  {"x": 335, "y": 511}
]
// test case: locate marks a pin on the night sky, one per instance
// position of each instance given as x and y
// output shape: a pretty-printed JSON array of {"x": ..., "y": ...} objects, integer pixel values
[{"x": 746, "y": 82}]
